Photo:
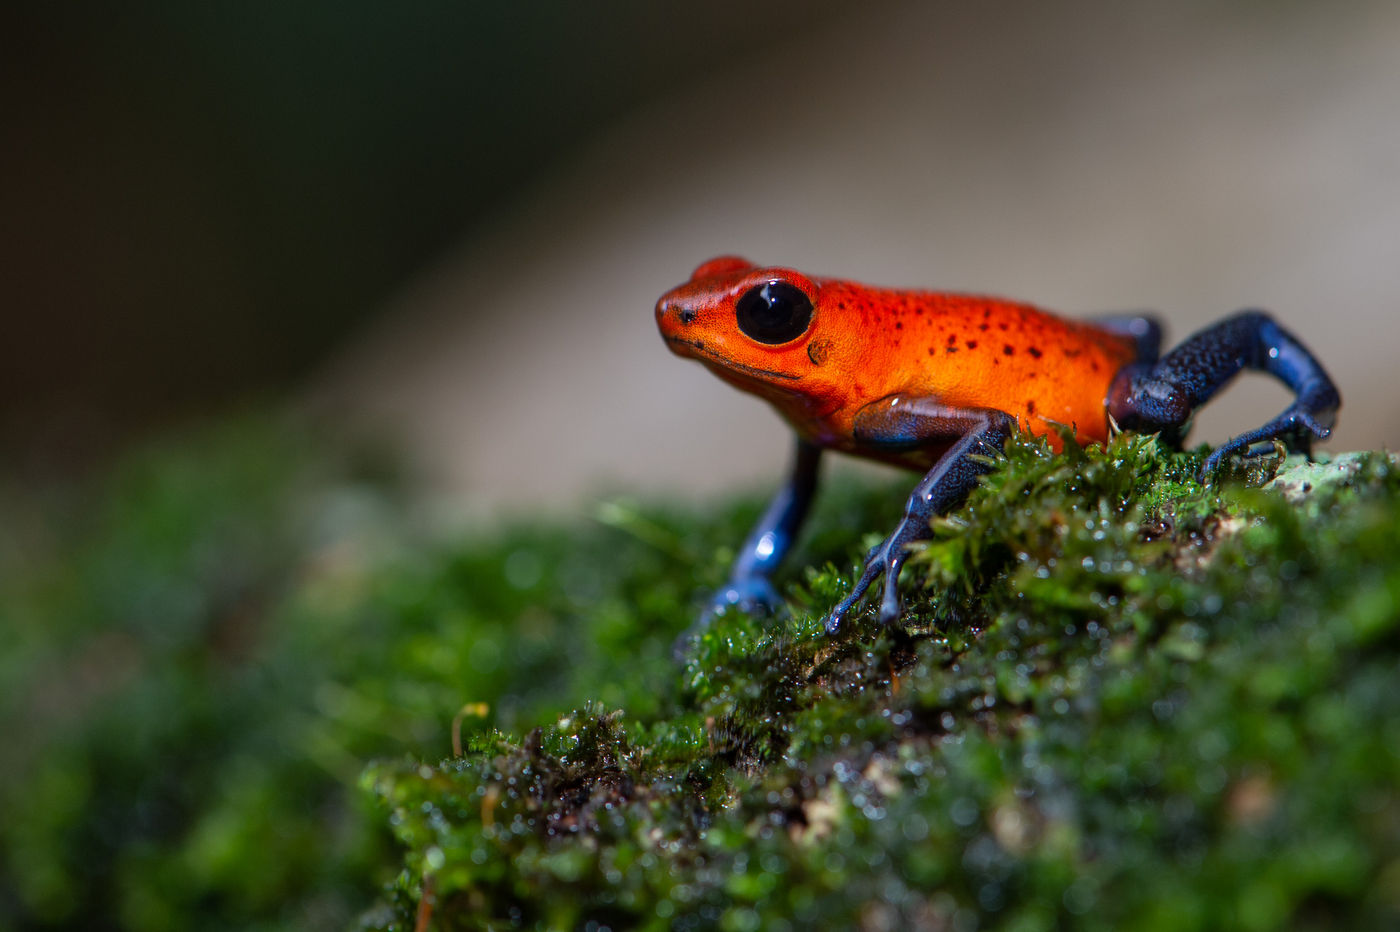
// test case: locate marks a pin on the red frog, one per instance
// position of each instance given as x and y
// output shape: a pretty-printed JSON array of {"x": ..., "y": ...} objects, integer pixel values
[{"x": 929, "y": 380}]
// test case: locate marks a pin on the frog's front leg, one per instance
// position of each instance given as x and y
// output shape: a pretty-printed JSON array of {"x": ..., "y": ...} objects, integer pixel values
[
  {"x": 909, "y": 423},
  {"x": 748, "y": 587},
  {"x": 1163, "y": 396}
]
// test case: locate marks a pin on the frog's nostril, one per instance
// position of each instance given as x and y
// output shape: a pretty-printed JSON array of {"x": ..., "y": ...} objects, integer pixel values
[{"x": 686, "y": 315}]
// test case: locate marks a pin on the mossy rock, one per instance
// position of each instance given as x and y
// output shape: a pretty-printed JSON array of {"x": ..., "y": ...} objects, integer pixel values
[{"x": 1119, "y": 697}]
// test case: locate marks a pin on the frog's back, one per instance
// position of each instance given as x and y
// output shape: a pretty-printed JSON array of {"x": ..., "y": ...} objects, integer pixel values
[{"x": 979, "y": 352}]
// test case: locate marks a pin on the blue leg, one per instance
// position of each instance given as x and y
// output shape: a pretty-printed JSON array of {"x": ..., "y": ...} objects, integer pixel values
[
  {"x": 772, "y": 537},
  {"x": 903, "y": 423},
  {"x": 748, "y": 587},
  {"x": 1163, "y": 396}
]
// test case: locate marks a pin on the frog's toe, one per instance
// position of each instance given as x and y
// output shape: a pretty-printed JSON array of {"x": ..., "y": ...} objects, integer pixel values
[
  {"x": 756, "y": 596},
  {"x": 890, "y": 605},
  {"x": 1245, "y": 448},
  {"x": 837, "y": 617},
  {"x": 885, "y": 560},
  {"x": 1295, "y": 428},
  {"x": 1319, "y": 428},
  {"x": 753, "y": 596},
  {"x": 892, "y": 560}
]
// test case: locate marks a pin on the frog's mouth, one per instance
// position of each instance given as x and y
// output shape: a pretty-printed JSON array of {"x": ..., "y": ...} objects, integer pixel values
[{"x": 698, "y": 349}]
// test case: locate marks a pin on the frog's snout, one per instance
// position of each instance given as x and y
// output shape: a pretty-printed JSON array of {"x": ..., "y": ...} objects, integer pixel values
[{"x": 673, "y": 316}]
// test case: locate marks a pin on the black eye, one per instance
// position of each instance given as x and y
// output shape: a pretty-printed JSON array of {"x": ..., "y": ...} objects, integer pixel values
[{"x": 774, "y": 312}]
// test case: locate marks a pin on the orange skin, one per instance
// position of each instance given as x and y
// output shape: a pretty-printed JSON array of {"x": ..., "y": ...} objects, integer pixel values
[{"x": 865, "y": 344}]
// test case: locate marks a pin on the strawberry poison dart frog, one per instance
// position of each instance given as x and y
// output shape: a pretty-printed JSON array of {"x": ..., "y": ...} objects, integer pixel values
[{"x": 928, "y": 380}]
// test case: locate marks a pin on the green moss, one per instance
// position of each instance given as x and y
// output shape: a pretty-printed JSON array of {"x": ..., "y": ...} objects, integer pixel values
[
  {"x": 1126, "y": 700},
  {"x": 1121, "y": 699}
]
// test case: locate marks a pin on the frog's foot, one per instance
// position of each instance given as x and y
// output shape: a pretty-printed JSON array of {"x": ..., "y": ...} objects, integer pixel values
[
  {"x": 886, "y": 559},
  {"x": 754, "y": 595},
  {"x": 1296, "y": 428},
  {"x": 898, "y": 421}
]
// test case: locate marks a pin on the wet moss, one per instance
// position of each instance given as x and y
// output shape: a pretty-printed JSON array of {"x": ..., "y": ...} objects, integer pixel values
[
  {"x": 1121, "y": 698},
  {"x": 1125, "y": 700}
]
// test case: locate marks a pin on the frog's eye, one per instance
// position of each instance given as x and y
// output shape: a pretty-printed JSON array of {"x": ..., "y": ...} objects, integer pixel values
[{"x": 774, "y": 312}]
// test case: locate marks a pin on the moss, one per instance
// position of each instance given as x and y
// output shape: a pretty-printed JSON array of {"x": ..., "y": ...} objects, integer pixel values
[
  {"x": 1126, "y": 700},
  {"x": 1121, "y": 698}
]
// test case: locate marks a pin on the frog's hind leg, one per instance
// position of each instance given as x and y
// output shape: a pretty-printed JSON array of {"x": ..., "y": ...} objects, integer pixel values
[{"x": 1163, "y": 396}]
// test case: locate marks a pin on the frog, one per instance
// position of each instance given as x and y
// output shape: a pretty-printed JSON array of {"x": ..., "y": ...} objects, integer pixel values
[{"x": 936, "y": 382}]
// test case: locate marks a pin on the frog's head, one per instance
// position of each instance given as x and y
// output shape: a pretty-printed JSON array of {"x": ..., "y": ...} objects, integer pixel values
[{"x": 758, "y": 328}]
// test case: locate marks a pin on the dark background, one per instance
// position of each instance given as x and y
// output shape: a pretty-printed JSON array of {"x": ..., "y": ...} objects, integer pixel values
[{"x": 201, "y": 199}]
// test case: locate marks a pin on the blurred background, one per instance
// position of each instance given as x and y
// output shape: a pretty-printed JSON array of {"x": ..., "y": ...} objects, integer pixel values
[{"x": 443, "y": 225}]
